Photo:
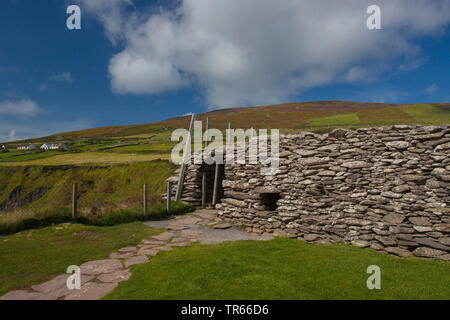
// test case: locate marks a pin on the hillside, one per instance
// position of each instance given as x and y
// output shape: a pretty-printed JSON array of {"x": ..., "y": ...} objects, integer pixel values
[
  {"x": 147, "y": 142},
  {"x": 284, "y": 116}
]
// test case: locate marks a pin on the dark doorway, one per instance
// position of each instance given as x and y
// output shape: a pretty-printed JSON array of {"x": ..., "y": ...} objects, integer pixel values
[
  {"x": 269, "y": 200},
  {"x": 210, "y": 171}
]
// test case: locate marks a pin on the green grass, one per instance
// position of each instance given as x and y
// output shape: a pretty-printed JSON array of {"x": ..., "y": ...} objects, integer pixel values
[
  {"x": 282, "y": 269},
  {"x": 32, "y": 257},
  {"x": 428, "y": 114},
  {"x": 334, "y": 120},
  {"x": 26, "y": 220},
  {"x": 27, "y": 156},
  {"x": 99, "y": 187}
]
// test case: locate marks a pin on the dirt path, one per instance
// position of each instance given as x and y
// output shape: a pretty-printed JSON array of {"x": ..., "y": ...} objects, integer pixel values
[{"x": 100, "y": 277}]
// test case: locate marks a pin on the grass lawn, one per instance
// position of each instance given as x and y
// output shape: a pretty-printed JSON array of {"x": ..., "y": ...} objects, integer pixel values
[
  {"x": 335, "y": 119},
  {"x": 27, "y": 260},
  {"x": 282, "y": 269}
]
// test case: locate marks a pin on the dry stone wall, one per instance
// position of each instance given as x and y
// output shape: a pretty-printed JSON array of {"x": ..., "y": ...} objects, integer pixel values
[{"x": 386, "y": 188}]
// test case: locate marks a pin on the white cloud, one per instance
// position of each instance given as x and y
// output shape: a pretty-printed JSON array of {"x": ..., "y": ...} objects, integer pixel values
[
  {"x": 20, "y": 130},
  {"x": 262, "y": 51},
  {"x": 111, "y": 13},
  {"x": 24, "y": 107},
  {"x": 432, "y": 89},
  {"x": 62, "y": 77}
]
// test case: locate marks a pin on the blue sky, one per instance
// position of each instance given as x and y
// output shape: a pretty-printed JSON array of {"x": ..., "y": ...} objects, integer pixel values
[{"x": 144, "y": 61}]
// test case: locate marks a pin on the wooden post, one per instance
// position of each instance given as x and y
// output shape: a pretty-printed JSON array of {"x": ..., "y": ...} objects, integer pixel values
[
  {"x": 183, "y": 165},
  {"x": 216, "y": 173},
  {"x": 145, "y": 202},
  {"x": 204, "y": 190},
  {"x": 74, "y": 202},
  {"x": 216, "y": 185},
  {"x": 204, "y": 172},
  {"x": 169, "y": 197}
]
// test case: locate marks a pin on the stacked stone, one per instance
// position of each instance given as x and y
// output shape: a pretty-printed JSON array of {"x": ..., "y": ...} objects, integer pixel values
[
  {"x": 192, "y": 190},
  {"x": 386, "y": 188}
]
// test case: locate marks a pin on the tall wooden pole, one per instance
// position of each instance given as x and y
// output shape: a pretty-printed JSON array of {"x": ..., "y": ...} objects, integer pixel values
[
  {"x": 216, "y": 185},
  {"x": 185, "y": 155},
  {"x": 204, "y": 169},
  {"x": 74, "y": 202},
  {"x": 204, "y": 190},
  {"x": 145, "y": 202},
  {"x": 169, "y": 197},
  {"x": 216, "y": 173}
]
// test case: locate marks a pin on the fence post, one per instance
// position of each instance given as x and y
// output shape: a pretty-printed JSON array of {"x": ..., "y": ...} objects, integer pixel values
[
  {"x": 204, "y": 190},
  {"x": 145, "y": 202},
  {"x": 169, "y": 197},
  {"x": 74, "y": 202}
]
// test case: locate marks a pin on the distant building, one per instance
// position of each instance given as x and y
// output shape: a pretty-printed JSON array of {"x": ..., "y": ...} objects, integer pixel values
[
  {"x": 4, "y": 147},
  {"x": 29, "y": 146},
  {"x": 46, "y": 146},
  {"x": 58, "y": 146}
]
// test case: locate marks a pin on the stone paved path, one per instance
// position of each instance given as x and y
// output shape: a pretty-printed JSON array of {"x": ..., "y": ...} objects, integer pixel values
[{"x": 100, "y": 277}]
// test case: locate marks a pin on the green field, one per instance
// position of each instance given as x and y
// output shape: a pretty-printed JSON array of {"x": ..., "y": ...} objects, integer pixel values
[
  {"x": 282, "y": 269},
  {"x": 32, "y": 257}
]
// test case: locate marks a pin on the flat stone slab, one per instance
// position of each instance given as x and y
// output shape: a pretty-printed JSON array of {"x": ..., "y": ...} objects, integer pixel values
[
  {"x": 57, "y": 287},
  {"x": 165, "y": 236},
  {"x": 92, "y": 291},
  {"x": 128, "y": 249},
  {"x": 399, "y": 252},
  {"x": 116, "y": 277},
  {"x": 224, "y": 225},
  {"x": 152, "y": 242},
  {"x": 26, "y": 295},
  {"x": 136, "y": 260},
  {"x": 118, "y": 255},
  {"x": 151, "y": 247},
  {"x": 101, "y": 266},
  {"x": 176, "y": 227},
  {"x": 361, "y": 243},
  {"x": 147, "y": 252}
]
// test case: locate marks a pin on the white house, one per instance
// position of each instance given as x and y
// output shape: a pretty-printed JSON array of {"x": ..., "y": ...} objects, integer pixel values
[
  {"x": 29, "y": 146},
  {"x": 46, "y": 146}
]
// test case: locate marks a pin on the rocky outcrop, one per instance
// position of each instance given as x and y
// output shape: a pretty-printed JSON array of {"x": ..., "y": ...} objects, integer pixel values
[{"x": 386, "y": 188}]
